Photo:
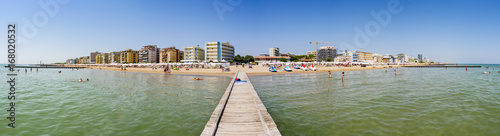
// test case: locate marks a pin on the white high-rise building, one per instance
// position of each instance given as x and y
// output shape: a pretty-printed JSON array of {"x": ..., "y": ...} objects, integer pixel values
[
  {"x": 218, "y": 51},
  {"x": 274, "y": 51},
  {"x": 193, "y": 54}
]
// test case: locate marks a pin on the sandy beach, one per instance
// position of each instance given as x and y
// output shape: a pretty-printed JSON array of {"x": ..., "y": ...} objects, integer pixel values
[{"x": 255, "y": 71}]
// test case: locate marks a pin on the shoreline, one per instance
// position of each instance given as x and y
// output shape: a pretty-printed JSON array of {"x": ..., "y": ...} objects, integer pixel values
[{"x": 255, "y": 71}]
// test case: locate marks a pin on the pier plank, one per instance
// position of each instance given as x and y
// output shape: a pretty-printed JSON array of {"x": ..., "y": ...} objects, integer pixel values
[{"x": 240, "y": 112}]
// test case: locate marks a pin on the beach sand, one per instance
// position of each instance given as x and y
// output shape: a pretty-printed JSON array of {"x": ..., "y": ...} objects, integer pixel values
[{"x": 255, "y": 71}]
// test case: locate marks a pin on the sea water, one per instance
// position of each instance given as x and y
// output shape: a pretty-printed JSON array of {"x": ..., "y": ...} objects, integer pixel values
[
  {"x": 419, "y": 101},
  {"x": 110, "y": 103}
]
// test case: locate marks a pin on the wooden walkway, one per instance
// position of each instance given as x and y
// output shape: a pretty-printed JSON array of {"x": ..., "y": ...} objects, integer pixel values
[{"x": 240, "y": 112}]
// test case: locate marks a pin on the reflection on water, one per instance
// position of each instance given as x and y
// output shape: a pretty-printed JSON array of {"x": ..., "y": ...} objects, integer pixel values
[
  {"x": 112, "y": 103},
  {"x": 419, "y": 101}
]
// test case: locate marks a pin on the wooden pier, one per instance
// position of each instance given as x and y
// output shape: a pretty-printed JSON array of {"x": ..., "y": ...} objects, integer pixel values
[
  {"x": 240, "y": 112},
  {"x": 442, "y": 66}
]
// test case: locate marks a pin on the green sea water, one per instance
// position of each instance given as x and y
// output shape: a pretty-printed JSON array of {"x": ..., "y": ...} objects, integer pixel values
[
  {"x": 419, "y": 101},
  {"x": 110, "y": 103}
]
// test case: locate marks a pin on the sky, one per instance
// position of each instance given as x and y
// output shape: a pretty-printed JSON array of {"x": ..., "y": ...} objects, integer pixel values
[{"x": 455, "y": 31}]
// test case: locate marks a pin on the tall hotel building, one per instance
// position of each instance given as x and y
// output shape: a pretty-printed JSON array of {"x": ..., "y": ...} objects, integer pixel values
[
  {"x": 171, "y": 54},
  {"x": 274, "y": 51},
  {"x": 92, "y": 57},
  {"x": 149, "y": 54},
  {"x": 129, "y": 56},
  {"x": 218, "y": 51},
  {"x": 193, "y": 54},
  {"x": 114, "y": 57},
  {"x": 326, "y": 52}
]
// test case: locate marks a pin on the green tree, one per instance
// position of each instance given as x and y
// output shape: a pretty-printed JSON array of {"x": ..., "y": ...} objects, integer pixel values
[
  {"x": 283, "y": 60},
  {"x": 237, "y": 59},
  {"x": 311, "y": 56},
  {"x": 249, "y": 58},
  {"x": 329, "y": 59}
]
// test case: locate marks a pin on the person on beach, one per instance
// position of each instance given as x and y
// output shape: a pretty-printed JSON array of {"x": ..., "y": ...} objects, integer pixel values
[
  {"x": 342, "y": 76},
  {"x": 465, "y": 68},
  {"x": 329, "y": 74}
]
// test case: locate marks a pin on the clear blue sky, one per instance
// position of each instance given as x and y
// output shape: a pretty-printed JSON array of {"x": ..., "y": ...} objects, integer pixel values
[{"x": 462, "y": 31}]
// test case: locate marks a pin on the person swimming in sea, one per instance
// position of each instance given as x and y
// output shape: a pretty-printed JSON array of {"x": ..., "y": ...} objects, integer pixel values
[
  {"x": 329, "y": 74},
  {"x": 342, "y": 76},
  {"x": 80, "y": 80},
  {"x": 87, "y": 79}
]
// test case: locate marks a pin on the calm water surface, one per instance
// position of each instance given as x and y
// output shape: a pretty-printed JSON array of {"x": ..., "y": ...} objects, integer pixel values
[
  {"x": 111, "y": 103},
  {"x": 419, "y": 101}
]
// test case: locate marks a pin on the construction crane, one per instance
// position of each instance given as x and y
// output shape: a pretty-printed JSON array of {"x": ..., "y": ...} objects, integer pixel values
[{"x": 317, "y": 43}]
